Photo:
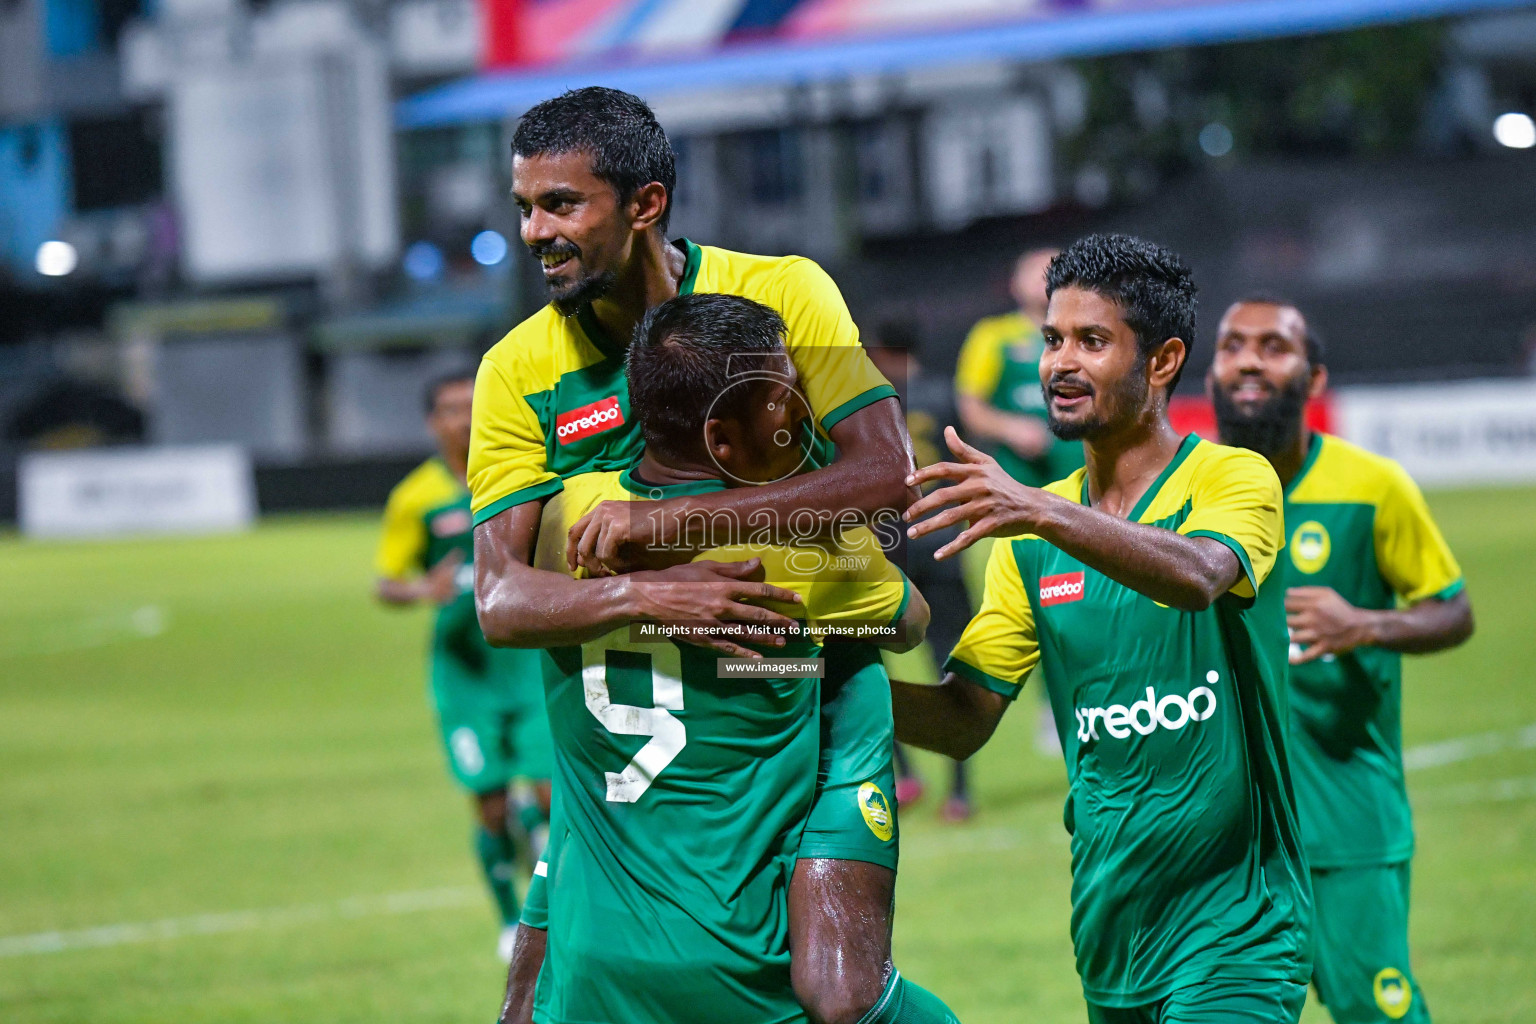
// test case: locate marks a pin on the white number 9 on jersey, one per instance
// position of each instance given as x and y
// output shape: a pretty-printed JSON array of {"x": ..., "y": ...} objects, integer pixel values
[{"x": 668, "y": 737}]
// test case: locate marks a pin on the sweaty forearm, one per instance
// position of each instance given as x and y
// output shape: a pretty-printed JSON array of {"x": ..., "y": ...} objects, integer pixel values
[
  {"x": 954, "y": 718},
  {"x": 1188, "y": 573},
  {"x": 1423, "y": 628},
  {"x": 520, "y": 606}
]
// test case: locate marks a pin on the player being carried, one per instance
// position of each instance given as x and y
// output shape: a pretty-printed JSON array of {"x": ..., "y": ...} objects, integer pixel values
[
  {"x": 489, "y": 702},
  {"x": 1361, "y": 540},
  {"x": 593, "y": 175},
  {"x": 1142, "y": 587},
  {"x": 682, "y": 789}
]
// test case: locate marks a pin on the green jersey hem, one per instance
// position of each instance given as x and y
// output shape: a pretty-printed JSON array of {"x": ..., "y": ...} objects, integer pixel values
[
  {"x": 906, "y": 598},
  {"x": 1394, "y": 855},
  {"x": 983, "y": 679},
  {"x": 1237, "y": 549},
  {"x": 854, "y": 404},
  {"x": 538, "y": 492},
  {"x": 1119, "y": 999}
]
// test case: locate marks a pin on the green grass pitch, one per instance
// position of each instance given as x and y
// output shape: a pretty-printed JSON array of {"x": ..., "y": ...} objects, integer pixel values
[{"x": 223, "y": 746}]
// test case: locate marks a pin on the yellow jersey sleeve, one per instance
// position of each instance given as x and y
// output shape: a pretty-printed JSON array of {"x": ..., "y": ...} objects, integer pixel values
[
  {"x": 1411, "y": 553},
  {"x": 980, "y": 365},
  {"x": 508, "y": 463},
  {"x": 836, "y": 373},
  {"x": 403, "y": 540},
  {"x": 999, "y": 647},
  {"x": 1236, "y": 498}
]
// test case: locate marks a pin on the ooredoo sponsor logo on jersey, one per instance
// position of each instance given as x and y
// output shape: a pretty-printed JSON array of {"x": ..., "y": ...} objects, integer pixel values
[
  {"x": 1148, "y": 715},
  {"x": 588, "y": 420},
  {"x": 1060, "y": 589}
]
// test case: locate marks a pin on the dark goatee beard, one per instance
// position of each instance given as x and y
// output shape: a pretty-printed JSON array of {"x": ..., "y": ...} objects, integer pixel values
[
  {"x": 1125, "y": 399},
  {"x": 1270, "y": 428},
  {"x": 569, "y": 301}
]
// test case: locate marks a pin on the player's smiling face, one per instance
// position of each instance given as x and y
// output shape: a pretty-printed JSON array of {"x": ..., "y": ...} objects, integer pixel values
[
  {"x": 1261, "y": 357},
  {"x": 1092, "y": 371},
  {"x": 573, "y": 223}
]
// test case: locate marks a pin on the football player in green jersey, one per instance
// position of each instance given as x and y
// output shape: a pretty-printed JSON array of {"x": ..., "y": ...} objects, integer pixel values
[
  {"x": 1142, "y": 587},
  {"x": 655, "y": 739},
  {"x": 489, "y": 702},
  {"x": 1370, "y": 578}
]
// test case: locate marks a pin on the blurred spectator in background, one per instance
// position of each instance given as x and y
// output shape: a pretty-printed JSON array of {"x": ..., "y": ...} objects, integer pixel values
[{"x": 929, "y": 405}]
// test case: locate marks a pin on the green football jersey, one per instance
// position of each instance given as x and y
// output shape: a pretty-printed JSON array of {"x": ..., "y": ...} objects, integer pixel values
[
  {"x": 682, "y": 796},
  {"x": 1186, "y": 859},
  {"x": 1359, "y": 525}
]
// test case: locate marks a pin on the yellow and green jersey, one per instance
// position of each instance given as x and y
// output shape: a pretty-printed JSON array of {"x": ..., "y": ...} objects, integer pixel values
[
  {"x": 1186, "y": 857},
  {"x": 425, "y": 520},
  {"x": 683, "y": 792},
  {"x": 551, "y": 399},
  {"x": 1359, "y": 525},
  {"x": 1000, "y": 364}
]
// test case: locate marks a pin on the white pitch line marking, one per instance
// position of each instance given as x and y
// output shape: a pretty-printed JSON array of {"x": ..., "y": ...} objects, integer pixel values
[
  {"x": 1491, "y": 791},
  {"x": 238, "y": 921},
  {"x": 1465, "y": 748}
]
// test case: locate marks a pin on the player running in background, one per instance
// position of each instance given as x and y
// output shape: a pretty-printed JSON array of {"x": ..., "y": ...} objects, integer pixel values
[
  {"x": 593, "y": 175},
  {"x": 1142, "y": 586},
  {"x": 489, "y": 702},
  {"x": 683, "y": 791},
  {"x": 1361, "y": 543},
  {"x": 997, "y": 391},
  {"x": 929, "y": 404}
]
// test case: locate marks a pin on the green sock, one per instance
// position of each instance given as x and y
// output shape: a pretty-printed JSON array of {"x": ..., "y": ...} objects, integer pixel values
[
  {"x": 498, "y": 859},
  {"x": 905, "y": 1003}
]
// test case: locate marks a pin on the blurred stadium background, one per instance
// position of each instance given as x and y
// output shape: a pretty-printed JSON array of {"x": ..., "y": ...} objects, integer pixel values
[{"x": 236, "y": 236}]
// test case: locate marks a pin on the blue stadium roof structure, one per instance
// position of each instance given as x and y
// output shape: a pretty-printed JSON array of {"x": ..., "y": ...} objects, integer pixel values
[{"x": 494, "y": 96}]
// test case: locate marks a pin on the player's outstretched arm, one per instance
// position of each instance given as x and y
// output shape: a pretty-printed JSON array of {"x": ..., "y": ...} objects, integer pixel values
[
  {"x": 955, "y": 718},
  {"x": 866, "y": 481},
  {"x": 1322, "y": 622},
  {"x": 912, "y": 626},
  {"x": 1188, "y": 573},
  {"x": 523, "y": 975},
  {"x": 520, "y": 606},
  {"x": 437, "y": 584}
]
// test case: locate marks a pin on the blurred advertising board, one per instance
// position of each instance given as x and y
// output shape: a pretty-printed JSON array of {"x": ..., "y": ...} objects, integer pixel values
[{"x": 156, "y": 490}]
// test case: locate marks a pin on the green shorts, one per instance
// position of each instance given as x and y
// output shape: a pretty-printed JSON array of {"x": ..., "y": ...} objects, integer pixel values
[
  {"x": 1214, "y": 1000},
  {"x": 1361, "y": 964},
  {"x": 854, "y": 813},
  {"x": 491, "y": 717}
]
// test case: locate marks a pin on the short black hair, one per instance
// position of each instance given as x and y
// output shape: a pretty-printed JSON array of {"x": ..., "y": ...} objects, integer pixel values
[
  {"x": 628, "y": 147},
  {"x": 1314, "y": 341},
  {"x": 442, "y": 380},
  {"x": 680, "y": 363},
  {"x": 1151, "y": 284}
]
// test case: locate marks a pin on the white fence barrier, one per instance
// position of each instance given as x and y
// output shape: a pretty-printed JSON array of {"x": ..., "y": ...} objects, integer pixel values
[
  {"x": 108, "y": 492},
  {"x": 1471, "y": 432}
]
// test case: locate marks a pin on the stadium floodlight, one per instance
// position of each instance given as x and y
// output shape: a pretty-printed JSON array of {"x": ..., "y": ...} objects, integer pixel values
[
  {"x": 1515, "y": 130},
  {"x": 1216, "y": 139},
  {"x": 488, "y": 248},
  {"x": 57, "y": 259},
  {"x": 423, "y": 261}
]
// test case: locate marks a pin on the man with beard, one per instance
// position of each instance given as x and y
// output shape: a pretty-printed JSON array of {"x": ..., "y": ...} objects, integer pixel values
[
  {"x": 593, "y": 176},
  {"x": 1141, "y": 585},
  {"x": 1361, "y": 542}
]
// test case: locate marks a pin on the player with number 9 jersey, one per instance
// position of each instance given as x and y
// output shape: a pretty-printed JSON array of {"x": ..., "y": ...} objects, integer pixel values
[{"x": 683, "y": 791}]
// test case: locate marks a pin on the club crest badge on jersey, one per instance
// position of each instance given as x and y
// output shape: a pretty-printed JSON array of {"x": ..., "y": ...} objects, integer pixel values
[
  {"x": 1310, "y": 546},
  {"x": 1394, "y": 995},
  {"x": 877, "y": 812}
]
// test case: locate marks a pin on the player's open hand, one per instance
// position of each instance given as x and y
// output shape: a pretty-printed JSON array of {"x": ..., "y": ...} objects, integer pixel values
[
  {"x": 717, "y": 605},
  {"x": 1321, "y": 622},
  {"x": 991, "y": 502}
]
